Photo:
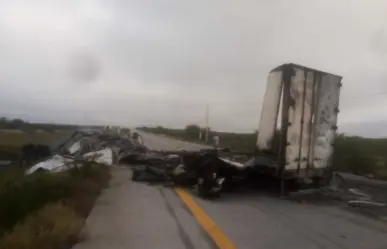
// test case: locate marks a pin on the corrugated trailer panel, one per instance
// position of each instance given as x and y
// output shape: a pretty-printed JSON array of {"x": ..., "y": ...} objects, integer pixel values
[
  {"x": 326, "y": 119},
  {"x": 308, "y": 120},
  {"x": 316, "y": 85},
  {"x": 295, "y": 114},
  {"x": 307, "y": 130},
  {"x": 269, "y": 113}
]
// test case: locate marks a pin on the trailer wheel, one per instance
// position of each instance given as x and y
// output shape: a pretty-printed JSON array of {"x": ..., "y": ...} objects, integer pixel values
[{"x": 136, "y": 174}]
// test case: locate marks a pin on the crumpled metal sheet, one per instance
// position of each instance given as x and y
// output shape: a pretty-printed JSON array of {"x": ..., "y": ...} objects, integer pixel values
[
  {"x": 236, "y": 164},
  {"x": 102, "y": 156},
  {"x": 56, "y": 163},
  {"x": 75, "y": 147},
  {"x": 100, "y": 147}
]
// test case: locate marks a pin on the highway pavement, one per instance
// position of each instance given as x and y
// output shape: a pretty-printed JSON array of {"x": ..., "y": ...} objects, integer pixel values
[{"x": 135, "y": 215}]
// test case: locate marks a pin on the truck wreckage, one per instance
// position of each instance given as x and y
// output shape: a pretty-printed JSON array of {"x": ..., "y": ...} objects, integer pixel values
[
  {"x": 301, "y": 102},
  {"x": 294, "y": 146},
  {"x": 204, "y": 168}
]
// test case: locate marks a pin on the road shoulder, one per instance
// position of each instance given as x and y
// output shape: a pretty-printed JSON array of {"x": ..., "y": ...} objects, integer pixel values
[{"x": 138, "y": 216}]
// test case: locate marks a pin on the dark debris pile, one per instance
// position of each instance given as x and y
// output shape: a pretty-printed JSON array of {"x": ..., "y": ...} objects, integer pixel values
[{"x": 204, "y": 170}]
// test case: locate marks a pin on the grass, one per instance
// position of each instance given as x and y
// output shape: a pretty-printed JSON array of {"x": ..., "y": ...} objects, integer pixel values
[
  {"x": 17, "y": 139},
  {"x": 12, "y": 140},
  {"x": 235, "y": 141},
  {"x": 54, "y": 226},
  {"x": 46, "y": 210}
]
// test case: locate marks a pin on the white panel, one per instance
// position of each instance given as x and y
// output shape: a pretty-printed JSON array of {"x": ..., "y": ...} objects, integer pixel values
[
  {"x": 326, "y": 120},
  {"x": 314, "y": 113},
  {"x": 269, "y": 113},
  {"x": 307, "y": 118},
  {"x": 295, "y": 115}
]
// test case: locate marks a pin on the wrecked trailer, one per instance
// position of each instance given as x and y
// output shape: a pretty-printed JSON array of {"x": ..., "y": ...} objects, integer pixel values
[{"x": 303, "y": 103}]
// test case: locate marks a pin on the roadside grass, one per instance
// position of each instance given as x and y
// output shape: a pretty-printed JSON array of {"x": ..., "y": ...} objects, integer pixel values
[
  {"x": 234, "y": 141},
  {"x": 54, "y": 226},
  {"x": 47, "y": 210},
  {"x": 17, "y": 138},
  {"x": 12, "y": 140}
]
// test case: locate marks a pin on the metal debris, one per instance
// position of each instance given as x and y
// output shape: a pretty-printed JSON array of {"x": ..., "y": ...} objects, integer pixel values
[
  {"x": 103, "y": 147},
  {"x": 366, "y": 203},
  {"x": 204, "y": 170}
]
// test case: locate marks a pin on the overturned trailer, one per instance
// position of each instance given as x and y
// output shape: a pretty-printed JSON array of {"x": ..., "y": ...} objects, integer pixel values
[{"x": 298, "y": 124}]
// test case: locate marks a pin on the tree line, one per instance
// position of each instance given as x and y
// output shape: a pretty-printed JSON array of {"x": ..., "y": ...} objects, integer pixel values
[{"x": 19, "y": 124}]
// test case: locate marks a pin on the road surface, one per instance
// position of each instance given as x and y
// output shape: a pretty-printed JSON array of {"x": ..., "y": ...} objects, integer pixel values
[{"x": 134, "y": 215}]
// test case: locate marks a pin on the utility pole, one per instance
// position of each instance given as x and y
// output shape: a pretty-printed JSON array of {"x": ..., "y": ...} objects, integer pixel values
[{"x": 207, "y": 123}]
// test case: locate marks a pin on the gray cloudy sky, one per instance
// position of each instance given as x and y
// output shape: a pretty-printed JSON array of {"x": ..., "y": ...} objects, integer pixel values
[{"x": 160, "y": 62}]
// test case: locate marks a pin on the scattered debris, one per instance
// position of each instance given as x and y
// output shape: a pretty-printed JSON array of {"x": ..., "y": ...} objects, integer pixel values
[
  {"x": 104, "y": 147},
  {"x": 56, "y": 163},
  {"x": 366, "y": 203},
  {"x": 204, "y": 170},
  {"x": 351, "y": 193},
  {"x": 209, "y": 171}
]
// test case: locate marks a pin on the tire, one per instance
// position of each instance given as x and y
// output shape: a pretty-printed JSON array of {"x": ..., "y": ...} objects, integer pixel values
[{"x": 136, "y": 175}]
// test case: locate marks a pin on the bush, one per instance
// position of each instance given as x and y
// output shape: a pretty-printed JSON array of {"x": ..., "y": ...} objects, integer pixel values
[
  {"x": 89, "y": 170},
  {"x": 54, "y": 226},
  {"x": 94, "y": 179},
  {"x": 20, "y": 195},
  {"x": 25, "y": 194}
]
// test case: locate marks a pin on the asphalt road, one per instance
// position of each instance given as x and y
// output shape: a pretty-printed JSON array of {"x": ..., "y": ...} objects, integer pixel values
[
  {"x": 134, "y": 215},
  {"x": 254, "y": 220},
  {"x": 159, "y": 142}
]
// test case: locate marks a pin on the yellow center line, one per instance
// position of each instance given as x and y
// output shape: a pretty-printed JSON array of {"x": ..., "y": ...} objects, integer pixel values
[{"x": 205, "y": 221}]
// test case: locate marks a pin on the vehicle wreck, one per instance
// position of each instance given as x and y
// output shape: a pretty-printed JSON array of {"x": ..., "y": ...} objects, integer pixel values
[
  {"x": 296, "y": 135},
  {"x": 293, "y": 150},
  {"x": 298, "y": 125},
  {"x": 300, "y": 101}
]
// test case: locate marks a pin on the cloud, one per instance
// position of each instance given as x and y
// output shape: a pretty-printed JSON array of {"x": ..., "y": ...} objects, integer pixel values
[{"x": 161, "y": 62}]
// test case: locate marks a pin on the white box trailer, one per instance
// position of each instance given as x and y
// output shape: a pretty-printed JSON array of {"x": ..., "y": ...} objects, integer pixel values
[{"x": 298, "y": 122}]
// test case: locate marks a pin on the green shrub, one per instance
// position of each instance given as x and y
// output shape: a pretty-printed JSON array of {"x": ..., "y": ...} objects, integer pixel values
[
  {"x": 54, "y": 226},
  {"x": 94, "y": 179},
  {"x": 25, "y": 194},
  {"x": 20, "y": 195},
  {"x": 90, "y": 170}
]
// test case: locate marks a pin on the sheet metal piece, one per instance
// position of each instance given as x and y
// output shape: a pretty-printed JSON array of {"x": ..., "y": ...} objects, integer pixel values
[
  {"x": 56, "y": 163},
  {"x": 307, "y": 120},
  {"x": 312, "y": 127},
  {"x": 269, "y": 113},
  {"x": 295, "y": 111},
  {"x": 104, "y": 156},
  {"x": 326, "y": 119},
  {"x": 312, "y": 117},
  {"x": 233, "y": 163}
]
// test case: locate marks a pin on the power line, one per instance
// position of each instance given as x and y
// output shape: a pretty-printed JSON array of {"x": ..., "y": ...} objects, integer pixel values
[{"x": 366, "y": 96}]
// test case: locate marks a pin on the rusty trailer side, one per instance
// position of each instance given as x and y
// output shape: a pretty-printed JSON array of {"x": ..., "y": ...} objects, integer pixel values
[{"x": 299, "y": 121}]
